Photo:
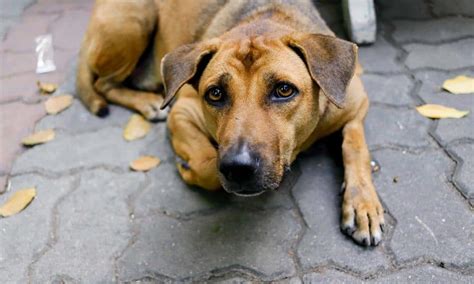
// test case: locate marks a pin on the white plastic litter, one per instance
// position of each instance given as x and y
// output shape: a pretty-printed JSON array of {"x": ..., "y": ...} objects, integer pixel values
[{"x": 44, "y": 54}]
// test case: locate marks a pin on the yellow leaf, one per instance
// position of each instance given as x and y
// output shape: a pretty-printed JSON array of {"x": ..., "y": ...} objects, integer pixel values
[
  {"x": 439, "y": 111},
  {"x": 55, "y": 105},
  {"x": 17, "y": 202},
  {"x": 39, "y": 137},
  {"x": 136, "y": 128},
  {"x": 46, "y": 88},
  {"x": 459, "y": 85},
  {"x": 144, "y": 163}
]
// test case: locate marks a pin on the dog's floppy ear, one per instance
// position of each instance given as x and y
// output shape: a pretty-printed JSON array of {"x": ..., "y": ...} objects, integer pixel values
[
  {"x": 331, "y": 62},
  {"x": 183, "y": 65}
]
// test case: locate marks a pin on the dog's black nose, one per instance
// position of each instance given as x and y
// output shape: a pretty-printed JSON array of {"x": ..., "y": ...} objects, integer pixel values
[{"x": 239, "y": 165}]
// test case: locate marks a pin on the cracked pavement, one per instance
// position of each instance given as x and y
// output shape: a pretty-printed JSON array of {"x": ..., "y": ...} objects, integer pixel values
[{"x": 95, "y": 221}]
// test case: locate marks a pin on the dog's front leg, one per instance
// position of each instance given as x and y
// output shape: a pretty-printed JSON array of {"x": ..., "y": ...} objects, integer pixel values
[
  {"x": 362, "y": 213},
  {"x": 198, "y": 157}
]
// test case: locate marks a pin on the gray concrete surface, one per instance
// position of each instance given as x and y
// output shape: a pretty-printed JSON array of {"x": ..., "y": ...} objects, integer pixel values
[{"x": 95, "y": 221}]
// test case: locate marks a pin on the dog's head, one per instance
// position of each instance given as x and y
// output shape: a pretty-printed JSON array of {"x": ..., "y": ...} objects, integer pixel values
[{"x": 261, "y": 98}]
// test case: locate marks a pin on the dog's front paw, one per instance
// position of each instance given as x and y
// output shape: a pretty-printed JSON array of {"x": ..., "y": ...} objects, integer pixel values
[{"x": 362, "y": 215}]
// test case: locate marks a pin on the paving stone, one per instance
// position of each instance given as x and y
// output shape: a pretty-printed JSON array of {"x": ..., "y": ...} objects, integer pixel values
[
  {"x": 379, "y": 57},
  {"x": 77, "y": 119},
  {"x": 16, "y": 122},
  {"x": 329, "y": 276},
  {"x": 445, "y": 56},
  {"x": 23, "y": 86},
  {"x": 24, "y": 236},
  {"x": 403, "y": 9},
  {"x": 103, "y": 147},
  {"x": 14, "y": 64},
  {"x": 433, "y": 221},
  {"x": 453, "y": 7},
  {"x": 69, "y": 30},
  {"x": 394, "y": 89},
  {"x": 188, "y": 234},
  {"x": 293, "y": 280},
  {"x": 13, "y": 7},
  {"x": 464, "y": 176},
  {"x": 3, "y": 184},
  {"x": 17, "y": 63},
  {"x": 58, "y": 6},
  {"x": 98, "y": 232},
  {"x": 390, "y": 126},
  {"x": 433, "y": 31},
  {"x": 431, "y": 92},
  {"x": 5, "y": 24},
  {"x": 168, "y": 194},
  {"x": 234, "y": 280},
  {"x": 22, "y": 36},
  {"x": 425, "y": 274},
  {"x": 255, "y": 240},
  {"x": 317, "y": 193}
]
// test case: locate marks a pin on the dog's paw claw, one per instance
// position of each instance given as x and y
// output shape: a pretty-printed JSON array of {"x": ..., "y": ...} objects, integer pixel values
[{"x": 348, "y": 229}]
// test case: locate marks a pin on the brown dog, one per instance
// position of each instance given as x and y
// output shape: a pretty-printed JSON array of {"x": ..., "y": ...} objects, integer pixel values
[{"x": 256, "y": 82}]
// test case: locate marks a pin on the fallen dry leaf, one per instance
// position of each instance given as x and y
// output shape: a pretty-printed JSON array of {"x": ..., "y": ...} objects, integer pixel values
[
  {"x": 46, "y": 88},
  {"x": 17, "y": 202},
  {"x": 136, "y": 128},
  {"x": 144, "y": 163},
  {"x": 439, "y": 111},
  {"x": 39, "y": 137},
  {"x": 55, "y": 105},
  {"x": 459, "y": 85}
]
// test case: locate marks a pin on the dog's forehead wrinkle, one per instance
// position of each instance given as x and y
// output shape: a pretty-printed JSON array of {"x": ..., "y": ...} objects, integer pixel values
[{"x": 248, "y": 50}]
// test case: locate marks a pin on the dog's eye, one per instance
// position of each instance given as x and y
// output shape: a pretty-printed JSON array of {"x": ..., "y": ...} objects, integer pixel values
[
  {"x": 284, "y": 91},
  {"x": 215, "y": 96}
]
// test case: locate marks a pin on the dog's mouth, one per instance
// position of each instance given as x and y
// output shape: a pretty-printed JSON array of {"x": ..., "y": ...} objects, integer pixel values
[
  {"x": 247, "y": 189},
  {"x": 246, "y": 193},
  {"x": 250, "y": 189}
]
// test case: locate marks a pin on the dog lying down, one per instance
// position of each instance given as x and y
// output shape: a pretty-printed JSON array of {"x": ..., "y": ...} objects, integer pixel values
[{"x": 252, "y": 83}]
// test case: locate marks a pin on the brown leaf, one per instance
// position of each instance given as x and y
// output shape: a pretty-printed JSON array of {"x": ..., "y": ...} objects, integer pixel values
[
  {"x": 17, "y": 202},
  {"x": 136, "y": 128},
  {"x": 46, "y": 88},
  {"x": 57, "y": 104},
  {"x": 439, "y": 111},
  {"x": 39, "y": 137},
  {"x": 144, "y": 163},
  {"x": 459, "y": 85}
]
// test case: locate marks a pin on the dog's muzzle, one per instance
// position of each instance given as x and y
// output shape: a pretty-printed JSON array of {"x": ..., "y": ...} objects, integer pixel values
[{"x": 240, "y": 171}]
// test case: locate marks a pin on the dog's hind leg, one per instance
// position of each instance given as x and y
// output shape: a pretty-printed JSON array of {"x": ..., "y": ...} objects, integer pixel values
[
  {"x": 117, "y": 36},
  {"x": 198, "y": 165},
  {"x": 146, "y": 103},
  {"x": 86, "y": 92},
  {"x": 362, "y": 213}
]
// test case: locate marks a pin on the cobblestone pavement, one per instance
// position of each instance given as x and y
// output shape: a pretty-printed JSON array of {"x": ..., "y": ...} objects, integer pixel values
[{"x": 95, "y": 221}]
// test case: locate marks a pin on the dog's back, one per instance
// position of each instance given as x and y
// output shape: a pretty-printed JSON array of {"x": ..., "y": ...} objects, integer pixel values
[{"x": 181, "y": 24}]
